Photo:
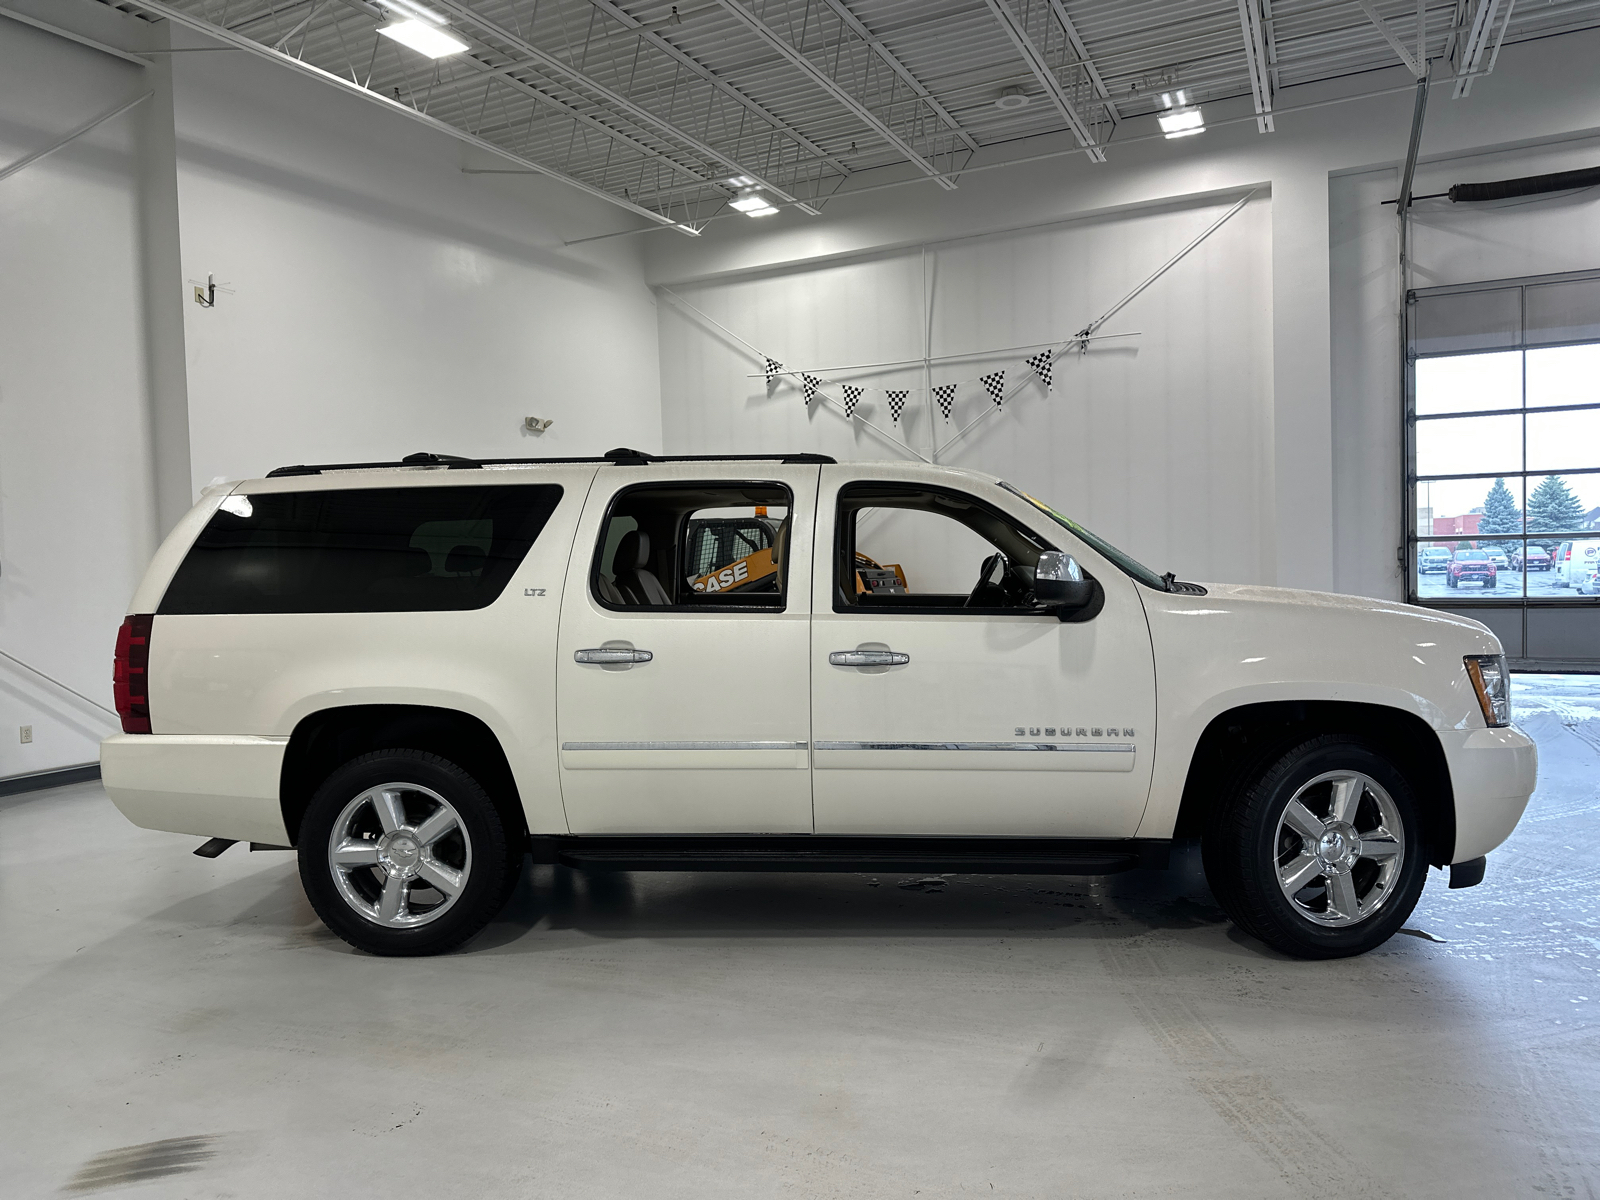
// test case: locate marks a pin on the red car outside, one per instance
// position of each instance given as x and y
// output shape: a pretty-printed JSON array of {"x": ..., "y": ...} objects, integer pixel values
[{"x": 1471, "y": 566}]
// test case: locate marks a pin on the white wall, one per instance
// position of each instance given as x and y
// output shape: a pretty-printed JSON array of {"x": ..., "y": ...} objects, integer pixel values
[
  {"x": 77, "y": 515},
  {"x": 382, "y": 301},
  {"x": 1160, "y": 442},
  {"x": 1318, "y": 523}
]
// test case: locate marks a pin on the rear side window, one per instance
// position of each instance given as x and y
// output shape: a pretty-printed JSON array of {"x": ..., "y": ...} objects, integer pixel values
[{"x": 412, "y": 549}]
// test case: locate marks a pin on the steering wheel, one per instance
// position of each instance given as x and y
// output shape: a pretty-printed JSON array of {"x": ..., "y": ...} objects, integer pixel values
[{"x": 989, "y": 591}]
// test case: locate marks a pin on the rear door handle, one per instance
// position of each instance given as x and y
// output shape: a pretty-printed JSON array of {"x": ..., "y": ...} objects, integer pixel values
[
  {"x": 868, "y": 658},
  {"x": 610, "y": 656}
]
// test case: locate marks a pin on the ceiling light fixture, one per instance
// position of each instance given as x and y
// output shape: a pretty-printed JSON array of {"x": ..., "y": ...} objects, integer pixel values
[
  {"x": 1012, "y": 97},
  {"x": 424, "y": 38},
  {"x": 752, "y": 203},
  {"x": 1181, "y": 119},
  {"x": 739, "y": 181}
]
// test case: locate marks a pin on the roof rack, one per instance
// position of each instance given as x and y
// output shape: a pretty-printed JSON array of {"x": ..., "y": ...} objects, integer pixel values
[{"x": 620, "y": 457}]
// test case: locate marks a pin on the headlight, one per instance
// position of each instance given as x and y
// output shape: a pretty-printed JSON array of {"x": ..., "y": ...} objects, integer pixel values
[{"x": 1493, "y": 685}]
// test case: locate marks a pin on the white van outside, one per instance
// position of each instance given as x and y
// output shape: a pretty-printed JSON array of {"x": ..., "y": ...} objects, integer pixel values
[{"x": 1576, "y": 564}]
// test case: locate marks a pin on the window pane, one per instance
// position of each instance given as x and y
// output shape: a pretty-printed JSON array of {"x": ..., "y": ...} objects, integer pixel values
[
  {"x": 1462, "y": 445},
  {"x": 1467, "y": 567},
  {"x": 1469, "y": 382},
  {"x": 1470, "y": 508},
  {"x": 1564, "y": 375},
  {"x": 411, "y": 549},
  {"x": 1563, "y": 504},
  {"x": 1563, "y": 312},
  {"x": 1563, "y": 439},
  {"x": 1467, "y": 321}
]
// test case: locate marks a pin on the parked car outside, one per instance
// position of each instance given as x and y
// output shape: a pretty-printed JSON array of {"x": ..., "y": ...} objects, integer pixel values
[
  {"x": 1533, "y": 558},
  {"x": 1498, "y": 558},
  {"x": 1433, "y": 560},
  {"x": 1471, "y": 566},
  {"x": 416, "y": 673},
  {"x": 1576, "y": 562}
]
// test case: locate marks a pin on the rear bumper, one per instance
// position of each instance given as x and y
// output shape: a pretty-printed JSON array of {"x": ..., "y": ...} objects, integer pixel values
[
  {"x": 1492, "y": 772},
  {"x": 207, "y": 786}
]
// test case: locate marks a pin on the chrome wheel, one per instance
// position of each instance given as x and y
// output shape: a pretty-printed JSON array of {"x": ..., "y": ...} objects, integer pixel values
[
  {"x": 400, "y": 855},
  {"x": 1340, "y": 847}
]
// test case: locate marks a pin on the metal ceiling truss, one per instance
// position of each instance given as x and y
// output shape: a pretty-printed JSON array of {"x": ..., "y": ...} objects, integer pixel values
[
  {"x": 837, "y": 55},
  {"x": 1042, "y": 41},
  {"x": 667, "y": 108}
]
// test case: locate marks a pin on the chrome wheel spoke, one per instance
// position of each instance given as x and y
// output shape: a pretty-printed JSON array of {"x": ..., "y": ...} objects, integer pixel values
[
  {"x": 1298, "y": 873},
  {"x": 436, "y": 826},
  {"x": 1346, "y": 799},
  {"x": 391, "y": 815},
  {"x": 392, "y": 905},
  {"x": 1303, "y": 821},
  {"x": 1379, "y": 844},
  {"x": 437, "y": 875},
  {"x": 1331, "y": 850},
  {"x": 353, "y": 853},
  {"x": 1342, "y": 898},
  {"x": 403, "y": 855}
]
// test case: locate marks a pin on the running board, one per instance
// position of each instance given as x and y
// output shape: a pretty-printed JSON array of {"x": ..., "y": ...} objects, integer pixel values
[{"x": 809, "y": 852}]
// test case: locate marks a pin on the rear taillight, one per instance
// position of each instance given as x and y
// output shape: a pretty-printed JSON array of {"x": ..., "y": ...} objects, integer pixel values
[{"x": 130, "y": 673}]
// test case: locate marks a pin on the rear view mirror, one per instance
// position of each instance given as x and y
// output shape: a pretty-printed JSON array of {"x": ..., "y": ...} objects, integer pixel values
[{"x": 1058, "y": 582}]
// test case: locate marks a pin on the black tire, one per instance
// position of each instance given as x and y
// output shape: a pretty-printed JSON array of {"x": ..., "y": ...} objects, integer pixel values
[
  {"x": 478, "y": 852},
  {"x": 1241, "y": 851},
  {"x": 1451, "y": 581}
]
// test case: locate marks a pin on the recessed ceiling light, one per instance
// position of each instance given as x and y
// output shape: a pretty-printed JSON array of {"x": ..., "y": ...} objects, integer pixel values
[
  {"x": 1012, "y": 97},
  {"x": 424, "y": 38},
  {"x": 1182, "y": 122},
  {"x": 752, "y": 204}
]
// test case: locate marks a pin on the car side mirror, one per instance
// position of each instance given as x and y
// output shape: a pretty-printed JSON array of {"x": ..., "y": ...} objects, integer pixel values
[{"x": 1058, "y": 582}]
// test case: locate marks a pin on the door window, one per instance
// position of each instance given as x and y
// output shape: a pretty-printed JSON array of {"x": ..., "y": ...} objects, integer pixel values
[
  {"x": 694, "y": 546},
  {"x": 909, "y": 548}
]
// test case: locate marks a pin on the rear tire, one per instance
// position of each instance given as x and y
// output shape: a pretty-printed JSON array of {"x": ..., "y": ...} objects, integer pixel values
[
  {"x": 1320, "y": 853},
  {"x": 403, "y": 853}
]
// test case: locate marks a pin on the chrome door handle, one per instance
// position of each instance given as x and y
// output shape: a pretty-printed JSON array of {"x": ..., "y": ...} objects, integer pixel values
[
  {"x": 611, "y": 656},
  {"x": 868, "y": 658}
]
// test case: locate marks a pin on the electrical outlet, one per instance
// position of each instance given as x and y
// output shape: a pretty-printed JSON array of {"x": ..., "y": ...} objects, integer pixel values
[{"x": 27, "y": 734}]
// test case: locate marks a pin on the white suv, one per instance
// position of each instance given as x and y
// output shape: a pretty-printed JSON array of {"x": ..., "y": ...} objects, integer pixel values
[{"x": 414, "y": 672}]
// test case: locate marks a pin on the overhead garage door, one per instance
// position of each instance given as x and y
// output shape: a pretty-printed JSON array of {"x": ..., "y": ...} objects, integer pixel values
[{"x": 1503, "y": 461}]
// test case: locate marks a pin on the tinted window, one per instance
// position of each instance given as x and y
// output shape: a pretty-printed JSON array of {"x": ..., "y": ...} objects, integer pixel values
[
  {"x": 369, "y": 550},
  {"x": 694, "y": 545}
]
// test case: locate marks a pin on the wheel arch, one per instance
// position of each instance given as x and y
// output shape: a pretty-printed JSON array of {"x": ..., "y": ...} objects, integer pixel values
[
  {"x": 325, "y": 740},
  {"x": 1244, "y": 739}
]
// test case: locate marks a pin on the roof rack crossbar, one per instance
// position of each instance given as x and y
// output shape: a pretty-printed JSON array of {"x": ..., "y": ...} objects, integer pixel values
[{"x": 622, "y": 456}]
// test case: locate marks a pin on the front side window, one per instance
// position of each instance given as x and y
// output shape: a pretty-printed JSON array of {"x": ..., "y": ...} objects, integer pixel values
[
  {"x": 695, "y": 546},
  {"x": 1504, "y": 420},
  {"x": 906, "y": 548},
  {"x": 410, "y": 549}
]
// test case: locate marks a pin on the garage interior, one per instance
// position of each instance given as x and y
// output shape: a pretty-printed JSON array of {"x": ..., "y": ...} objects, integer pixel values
[{"x": 1319, "y": 283}]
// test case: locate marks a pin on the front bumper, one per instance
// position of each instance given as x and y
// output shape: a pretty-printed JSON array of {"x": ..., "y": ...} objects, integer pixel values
[
  {"x": 1493, "y": 773},
  {"x": 203, "y": 785}
]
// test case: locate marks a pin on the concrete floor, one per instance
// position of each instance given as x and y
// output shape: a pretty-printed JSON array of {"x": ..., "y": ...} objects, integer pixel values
[{"x": 177, "y": 1027}]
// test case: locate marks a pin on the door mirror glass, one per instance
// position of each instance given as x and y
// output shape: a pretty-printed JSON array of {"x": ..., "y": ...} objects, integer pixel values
[{"x": 1058, "y": 581}]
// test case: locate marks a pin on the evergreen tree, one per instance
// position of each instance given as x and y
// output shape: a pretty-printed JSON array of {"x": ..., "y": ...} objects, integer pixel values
[
  {"x": 1553, "y": 507},
  {"x": 1500, "y": 516}
]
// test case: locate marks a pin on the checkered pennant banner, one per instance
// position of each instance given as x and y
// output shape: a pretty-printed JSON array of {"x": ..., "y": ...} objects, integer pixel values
[
  {"x": 945, "y": 394},
  {"x": 897, "y": 402},
  {"x": 1040, "y": 363},
  {"x": 808, "y": 386},
  {"x": 773, "y": 368},
  {"x": 852, "y": 397},
  {"x": 995, "y": 384}
]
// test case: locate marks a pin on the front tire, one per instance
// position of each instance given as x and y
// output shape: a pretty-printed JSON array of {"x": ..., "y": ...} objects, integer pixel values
[
  {"x": 1319, "y": 854},
  {"x": 403, "y": 853}
]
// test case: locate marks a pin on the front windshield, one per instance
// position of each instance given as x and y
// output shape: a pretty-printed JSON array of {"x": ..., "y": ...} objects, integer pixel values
[
  {"x": 1129, "y": 566},
  {"x": 1472, "y": 556}
]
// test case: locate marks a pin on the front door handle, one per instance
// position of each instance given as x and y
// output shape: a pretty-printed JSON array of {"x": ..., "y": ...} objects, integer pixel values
[
  {"x": 610, "y": 656},
  {"x": 868, "y": 658}
]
